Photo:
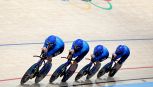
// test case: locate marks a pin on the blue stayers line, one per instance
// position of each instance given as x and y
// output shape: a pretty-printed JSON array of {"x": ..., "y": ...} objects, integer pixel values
[
  {"x": 19, "y": 44},
  {"x": 146, "y": 84},
  {"x": 111, "y": 40}
]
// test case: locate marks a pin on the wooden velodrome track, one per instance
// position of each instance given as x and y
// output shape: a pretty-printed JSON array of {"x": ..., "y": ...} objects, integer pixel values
[{"x": 24, "y": 24}]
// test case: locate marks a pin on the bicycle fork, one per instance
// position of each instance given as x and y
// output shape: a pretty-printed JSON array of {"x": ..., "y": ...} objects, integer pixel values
[
  {"x": 88, "y": 69},
  {"x": 65, "y": 67},
  {"x": 36, "y": 69}
]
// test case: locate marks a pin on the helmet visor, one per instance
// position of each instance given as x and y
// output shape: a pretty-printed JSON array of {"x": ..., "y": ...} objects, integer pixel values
[
  {"x": 118, "y": 52},
  {"x": 97, "y": 54},
  {"x": 77, "y": 47},
  {"x": 49, "y": 45}
]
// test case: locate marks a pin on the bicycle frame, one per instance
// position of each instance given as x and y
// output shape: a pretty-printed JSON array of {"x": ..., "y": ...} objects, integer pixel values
[
  {"x": 38, "y": 64},
  {"x": 60, "y": 71},
  {"x": 32, "y": 71},
  {"x": 68, "y": 62},
  {"x": 106, "y": 68}
]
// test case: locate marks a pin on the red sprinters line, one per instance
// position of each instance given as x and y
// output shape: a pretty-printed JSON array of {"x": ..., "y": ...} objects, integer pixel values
[
  {"x": 132, "y": 68},
  {"x": 9, "y": 79}
]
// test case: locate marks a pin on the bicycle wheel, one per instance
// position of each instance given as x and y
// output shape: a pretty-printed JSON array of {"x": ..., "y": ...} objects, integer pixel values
[
  {"x": 43, "y": 72},
  {"x": 101, "y": 73},
  {"x": 57, "y": 73},
  {"x": 82, "y": 72},
  {"x": 112, "y": 72},
  {"x": 93, "y": 71},
  {"x": 104, "y": 69},
  {"x": 30, "y": 73},
  {"x": 115, "y": 68},
  {"x": 69, "y": 72}
]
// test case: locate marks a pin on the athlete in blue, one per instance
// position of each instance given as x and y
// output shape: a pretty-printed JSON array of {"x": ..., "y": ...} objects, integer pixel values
[
  {"x": 121, "y": 54},
  {"x": 100, "y": 54},
  {"x": 53, "y": 46},
  {"x": 78, "y": 51}
]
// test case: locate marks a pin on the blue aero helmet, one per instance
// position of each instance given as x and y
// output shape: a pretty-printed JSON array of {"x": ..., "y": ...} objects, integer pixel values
[
  {"x": 98, "y": 50},
  {"x": 119, "y": 50},
  {"x": 78, "y": 44},
  {"x": 51, "y": 41}
]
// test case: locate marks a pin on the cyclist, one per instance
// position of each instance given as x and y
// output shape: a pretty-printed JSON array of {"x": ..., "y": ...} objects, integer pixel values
[
  {"x": 121, "y": 54},
  {"x": 78, "y": 51}
]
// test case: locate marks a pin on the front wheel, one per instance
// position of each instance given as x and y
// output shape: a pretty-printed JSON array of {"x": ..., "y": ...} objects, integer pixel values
[
  {"x": 101, "y": 73},
  {"x": 25, "y": 78},
  {"x": 30, "y": 73},
  {"x": 43, "y": 72},
  {"x": 82, "y": 72},
  {"x": 93, "y": 71},
  {"x": 105, "y": 69},
  {"x": 57, "y": 73}
]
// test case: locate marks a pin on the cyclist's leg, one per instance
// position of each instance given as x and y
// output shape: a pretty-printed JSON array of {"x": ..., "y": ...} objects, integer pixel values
[
  {"x": 95, "y": 68},
  {"x": 47, "y": 66},
  {"x": 59, "y": 51},
  {"x": 122, "y": 60},
  {"x": 79, "y": 58},
  {"x": 73, "y": 66}
]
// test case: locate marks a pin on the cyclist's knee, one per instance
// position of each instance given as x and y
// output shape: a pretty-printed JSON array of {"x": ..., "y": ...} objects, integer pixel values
[
  {"x": 77, "y": 60},
  {"x": 118, "y": 65},
  {"x": 49, "y": 59}
]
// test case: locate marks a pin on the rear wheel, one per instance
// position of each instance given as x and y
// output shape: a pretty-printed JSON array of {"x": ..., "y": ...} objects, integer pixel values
[{"x": 112, "y": 72}]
